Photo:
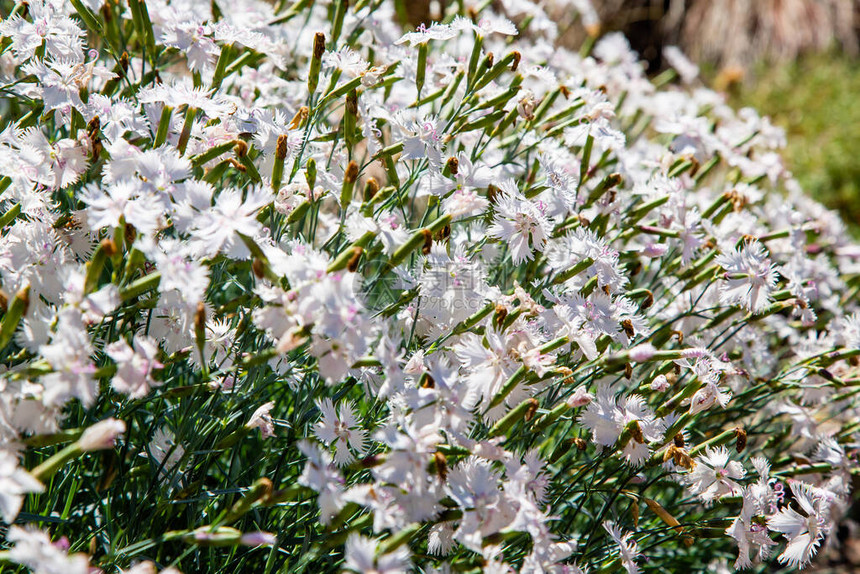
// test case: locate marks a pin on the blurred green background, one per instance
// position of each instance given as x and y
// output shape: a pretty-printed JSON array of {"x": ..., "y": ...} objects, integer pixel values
[
  {"x": 815, "y": 99},
  {"x": 793, "y": 60}
]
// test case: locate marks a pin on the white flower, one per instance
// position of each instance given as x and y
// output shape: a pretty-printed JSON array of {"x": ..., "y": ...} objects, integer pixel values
[
  {"x": 124, "y": 201},
  {"x": 134, "y": 365},
  {"x": 215, "y": 228},
  {"x": 803, "y": 531},
  {"x": 422, "y": 137},
  {"x": 320, "y": 475},
  {"x": 627, "y": 547},
  {"x": 341, "y": 428},
  {"x": 436, "y": 31},
  {"x": 34, "y": 549},
  {"x": 362, "y": 556},
  {"x": 601, "y": 418},
  {"x": 751, "y": 277},
  {"x": 685, "y": 68},
  {"x": 15, "y": 482},
  {"x": 519, "y": 223},
  {"x": 749, "y": 533},
  {"x": 194, "y": 40},
  {"x": 166, "y": 451},
  {"x": 261, "y": 419},
  {"x": 714, "y": 475}
]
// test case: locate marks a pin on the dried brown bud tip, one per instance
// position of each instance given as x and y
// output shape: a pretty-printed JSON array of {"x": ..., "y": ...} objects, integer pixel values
[
  {"x": 628, "y": 371},
  {"x": 300, "y": 116},
  {"x": 490, "y": 59},
  {"x": 516, "y": 62},
  {"x": 371, "y": 187},
  {"x": 428, "y": 241},
  {"x": 678, "y": 439},
  {"x": 531, "y": 410},
  {"x": 352, "y": 264},
  {"x": 352, "y": 102},
  {"x": 564, "y": 91},
  {"x": 236, "y": 164},
  {"x": 688, "y": 541},
  {"x": 4, "y": 301},
  {"x": 23, "y": 295},
  {"x": 241, "y": 148},
  {"x": 649, "y": 300},
  {"x": 627, "y": 325},
  {"x": 453, "y": 165},
  {"x": 200, "y": 317},
  {"x": 93, "y": 126},
  {"x": 636, "y": 432},
  {"x": 443, "y": 233},
  {"x": 492, "y": 190},
  {"x": 580, "y": 443},
  {"x": 371, "y": 461},
  {"x": 441, "y": 464},
  {"x": 319, "y": 45},
  {"x": 123, "y": 62},
  {"x": 258, "y": 268},
  {"x": 501, "y": 313},
  {"x": 109, "y": 247},
  {"x": 427, "y": 381},
  {"x": 351, "y": 172},
  {"x": 130, "y": 233},
  {"x": 741, "y": 442},
  {"x": 267, "y": 487},
  {"x": 565, "y": 372},
  {"x": 281, "y": 147}
]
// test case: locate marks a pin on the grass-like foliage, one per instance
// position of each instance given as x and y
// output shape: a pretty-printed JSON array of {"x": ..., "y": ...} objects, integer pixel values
[{"x": 288, "y": 290}]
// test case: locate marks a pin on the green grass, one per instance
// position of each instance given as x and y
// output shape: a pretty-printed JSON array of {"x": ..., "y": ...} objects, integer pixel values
[{"x": 815, "y": 100}]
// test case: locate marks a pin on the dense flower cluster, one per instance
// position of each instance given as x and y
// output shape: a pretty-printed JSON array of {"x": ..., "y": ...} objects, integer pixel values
[{"x": 491, "y": 303}]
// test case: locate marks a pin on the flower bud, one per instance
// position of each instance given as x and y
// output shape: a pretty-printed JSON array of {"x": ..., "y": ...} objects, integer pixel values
[
  {"x": 281, "y": 147},
  {"x": 660, "y": 383},
  {"x": 351, "y": 173},
  {"x": 299, "y": 117},
  {"x": 102, "y": 435},
  {"x": 580, "y": 398},
  {"x": 642, "y": 353},
  {"x": 371, "y": 187},
  {"x": 258, "y": 538},
  {"x": 526, "y": 106},
  {"x": 316, "y": 62}
]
